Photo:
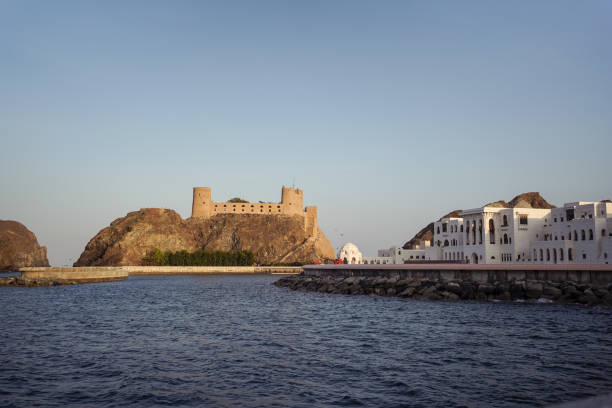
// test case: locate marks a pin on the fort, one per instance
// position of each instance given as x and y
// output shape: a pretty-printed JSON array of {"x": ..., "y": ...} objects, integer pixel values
[{"x": 291, "y": 204}]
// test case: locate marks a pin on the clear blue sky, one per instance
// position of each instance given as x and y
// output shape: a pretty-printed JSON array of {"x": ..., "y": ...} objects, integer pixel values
[{"x": 388, "y": 114}]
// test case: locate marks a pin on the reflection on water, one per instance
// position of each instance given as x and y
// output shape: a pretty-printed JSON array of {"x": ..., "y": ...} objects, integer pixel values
[{"x": 240, "y": 341}]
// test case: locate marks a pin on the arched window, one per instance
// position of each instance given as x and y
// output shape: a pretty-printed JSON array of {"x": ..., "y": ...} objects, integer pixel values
[
  {"x": 541, "y": 255},
  {"x": 505, "y": 221},
  {"x": 438, "y": 230},
  {"x": 474, "y": 232},
  {"x": 505, "y": 238},
  {"x": 569, "y": 254},
  {"x": 575, "y": 235},
  {"x": 555, "y": 255},
  {"x": 535, "y": 255},
  {"x": 446, "y": 242},
  {"x": 492, "y": 231},
  {"x": 561, "y": 254},
  {"x": 582, "y": 235},
  {"x": 461, "y": 228},
  {"x": 480, "y": 232},
  {"x": 547, "y": 254},
  {"x": 510, "y": 240},
  {"x": 590, "y": 234}
]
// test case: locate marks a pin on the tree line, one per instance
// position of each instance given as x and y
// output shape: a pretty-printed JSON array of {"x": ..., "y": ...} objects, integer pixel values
[{"x": 201, "y": 257}]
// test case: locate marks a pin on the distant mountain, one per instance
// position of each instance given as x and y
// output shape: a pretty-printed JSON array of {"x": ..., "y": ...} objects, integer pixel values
[
  {"x": 525, "y": 200},
  {"x": 19, "y": 247}
]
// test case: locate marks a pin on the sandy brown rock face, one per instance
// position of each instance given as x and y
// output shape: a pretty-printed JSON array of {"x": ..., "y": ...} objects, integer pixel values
[
  {"x": 273, "y": 239},
  {"x": 19, "y": 247}
]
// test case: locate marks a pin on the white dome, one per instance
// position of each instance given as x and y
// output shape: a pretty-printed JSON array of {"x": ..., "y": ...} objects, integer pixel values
[{"x": 350, "y": 253}]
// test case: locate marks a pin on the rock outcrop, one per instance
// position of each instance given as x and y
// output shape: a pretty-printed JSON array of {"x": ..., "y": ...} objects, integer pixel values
[
  {"x": 277, "y": 239},
  {"x": 525, "y": 200},
  {"x": 19, "y": 247}
]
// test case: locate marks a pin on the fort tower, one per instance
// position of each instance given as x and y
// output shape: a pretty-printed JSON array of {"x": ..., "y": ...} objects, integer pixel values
[{"x": 202, "y": 202}]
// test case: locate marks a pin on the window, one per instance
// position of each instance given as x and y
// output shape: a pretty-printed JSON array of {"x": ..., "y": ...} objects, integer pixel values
[
  {"x": 492, "y": 231},
  {"x": 582, "y": 235},
  {"x": 561, "y": 219},
  {"x": 438, "y": 230},
  {"x": 541, "y": 255},
  {"x": 505, "y": 238},
  {"x": 575, "y": 235},
  {"x": 523, "y": 219},
  {"x": 590, "y": 215},
  {"x": 555, "y": 219},
  {"x": 605, "y": 255},
  {"x": 547, "y": 254},
  {"x": 603, "y": 232},
  {"x": 569, "y": 214},
  {"x": 505, "y": 221},
  {"x": 583, "y": 256},
  {"x": 444, "y": 227},
  {"x": 461, "y": 229},
  {"x": 590, "y": 235},
  {"x": 561, "y": 254}
]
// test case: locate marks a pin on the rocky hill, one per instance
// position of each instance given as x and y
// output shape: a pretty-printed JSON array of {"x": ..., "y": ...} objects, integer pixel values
[
  {"x": 525, "y": 200},
  {"x": 273, "y": 239},
  {"x": 19, "y": 247}
]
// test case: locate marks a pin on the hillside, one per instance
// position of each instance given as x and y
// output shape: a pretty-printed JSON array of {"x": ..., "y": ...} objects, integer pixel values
[
  {"x": 273, "y": 239},
  {"x": 19, "y": 247}
]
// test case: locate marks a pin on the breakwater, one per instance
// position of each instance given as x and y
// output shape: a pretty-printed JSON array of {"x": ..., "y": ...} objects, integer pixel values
[
  {"x": 49, "y": 276},
  {"x": 181, "y": 270},
  {"x": 586, "y": 284}
]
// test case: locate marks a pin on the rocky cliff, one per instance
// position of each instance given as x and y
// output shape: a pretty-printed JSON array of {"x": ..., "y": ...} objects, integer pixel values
[
  {"x": 273, "y": 239},
  {"x": 525, "y": 200},
  {"x": 19, "y": 247}
]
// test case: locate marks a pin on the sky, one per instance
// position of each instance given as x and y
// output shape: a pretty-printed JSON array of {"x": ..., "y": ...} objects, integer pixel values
[{"x": 387, "y": 114}]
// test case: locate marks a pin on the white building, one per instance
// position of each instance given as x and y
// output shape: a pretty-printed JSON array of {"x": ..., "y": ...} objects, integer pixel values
[
  {"x": 578, "y": 232},
  {"x": 350, "y": 254},
  {"x": 398, "y": 255}
]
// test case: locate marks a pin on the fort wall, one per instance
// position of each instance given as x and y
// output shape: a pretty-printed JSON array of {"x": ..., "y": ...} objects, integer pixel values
[{"x": 292, "y": 203}]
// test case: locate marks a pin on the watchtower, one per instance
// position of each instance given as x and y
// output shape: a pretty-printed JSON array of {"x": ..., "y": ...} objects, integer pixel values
[
  {"x": 292, "y": 201},
  {"x": 202, "y": 202}
]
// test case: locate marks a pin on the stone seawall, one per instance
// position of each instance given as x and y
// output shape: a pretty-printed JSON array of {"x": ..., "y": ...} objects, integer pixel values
[
  {"x": 177, "y": 270},
  {"x": 48, "y": 276},
  {"x": 587, "y": 284}
]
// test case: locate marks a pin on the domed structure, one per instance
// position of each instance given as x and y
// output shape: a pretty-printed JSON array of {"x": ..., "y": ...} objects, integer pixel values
[{"x": 350, "y": 254}]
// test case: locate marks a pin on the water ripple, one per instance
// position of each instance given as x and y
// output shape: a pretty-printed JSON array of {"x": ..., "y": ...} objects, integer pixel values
[{"x": 239, "y": 341}]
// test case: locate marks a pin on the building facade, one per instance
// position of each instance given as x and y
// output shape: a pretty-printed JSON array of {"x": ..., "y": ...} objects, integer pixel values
[{"x": 577, "y": 233}]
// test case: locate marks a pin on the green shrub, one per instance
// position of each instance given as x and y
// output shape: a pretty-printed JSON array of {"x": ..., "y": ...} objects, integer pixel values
[
  {"x": 199, "y": 258},
  {"x": 237, "y": 200}
]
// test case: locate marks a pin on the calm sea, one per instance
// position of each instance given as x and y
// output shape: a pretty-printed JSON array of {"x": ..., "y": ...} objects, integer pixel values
[{"x": 239, "y": 341}]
